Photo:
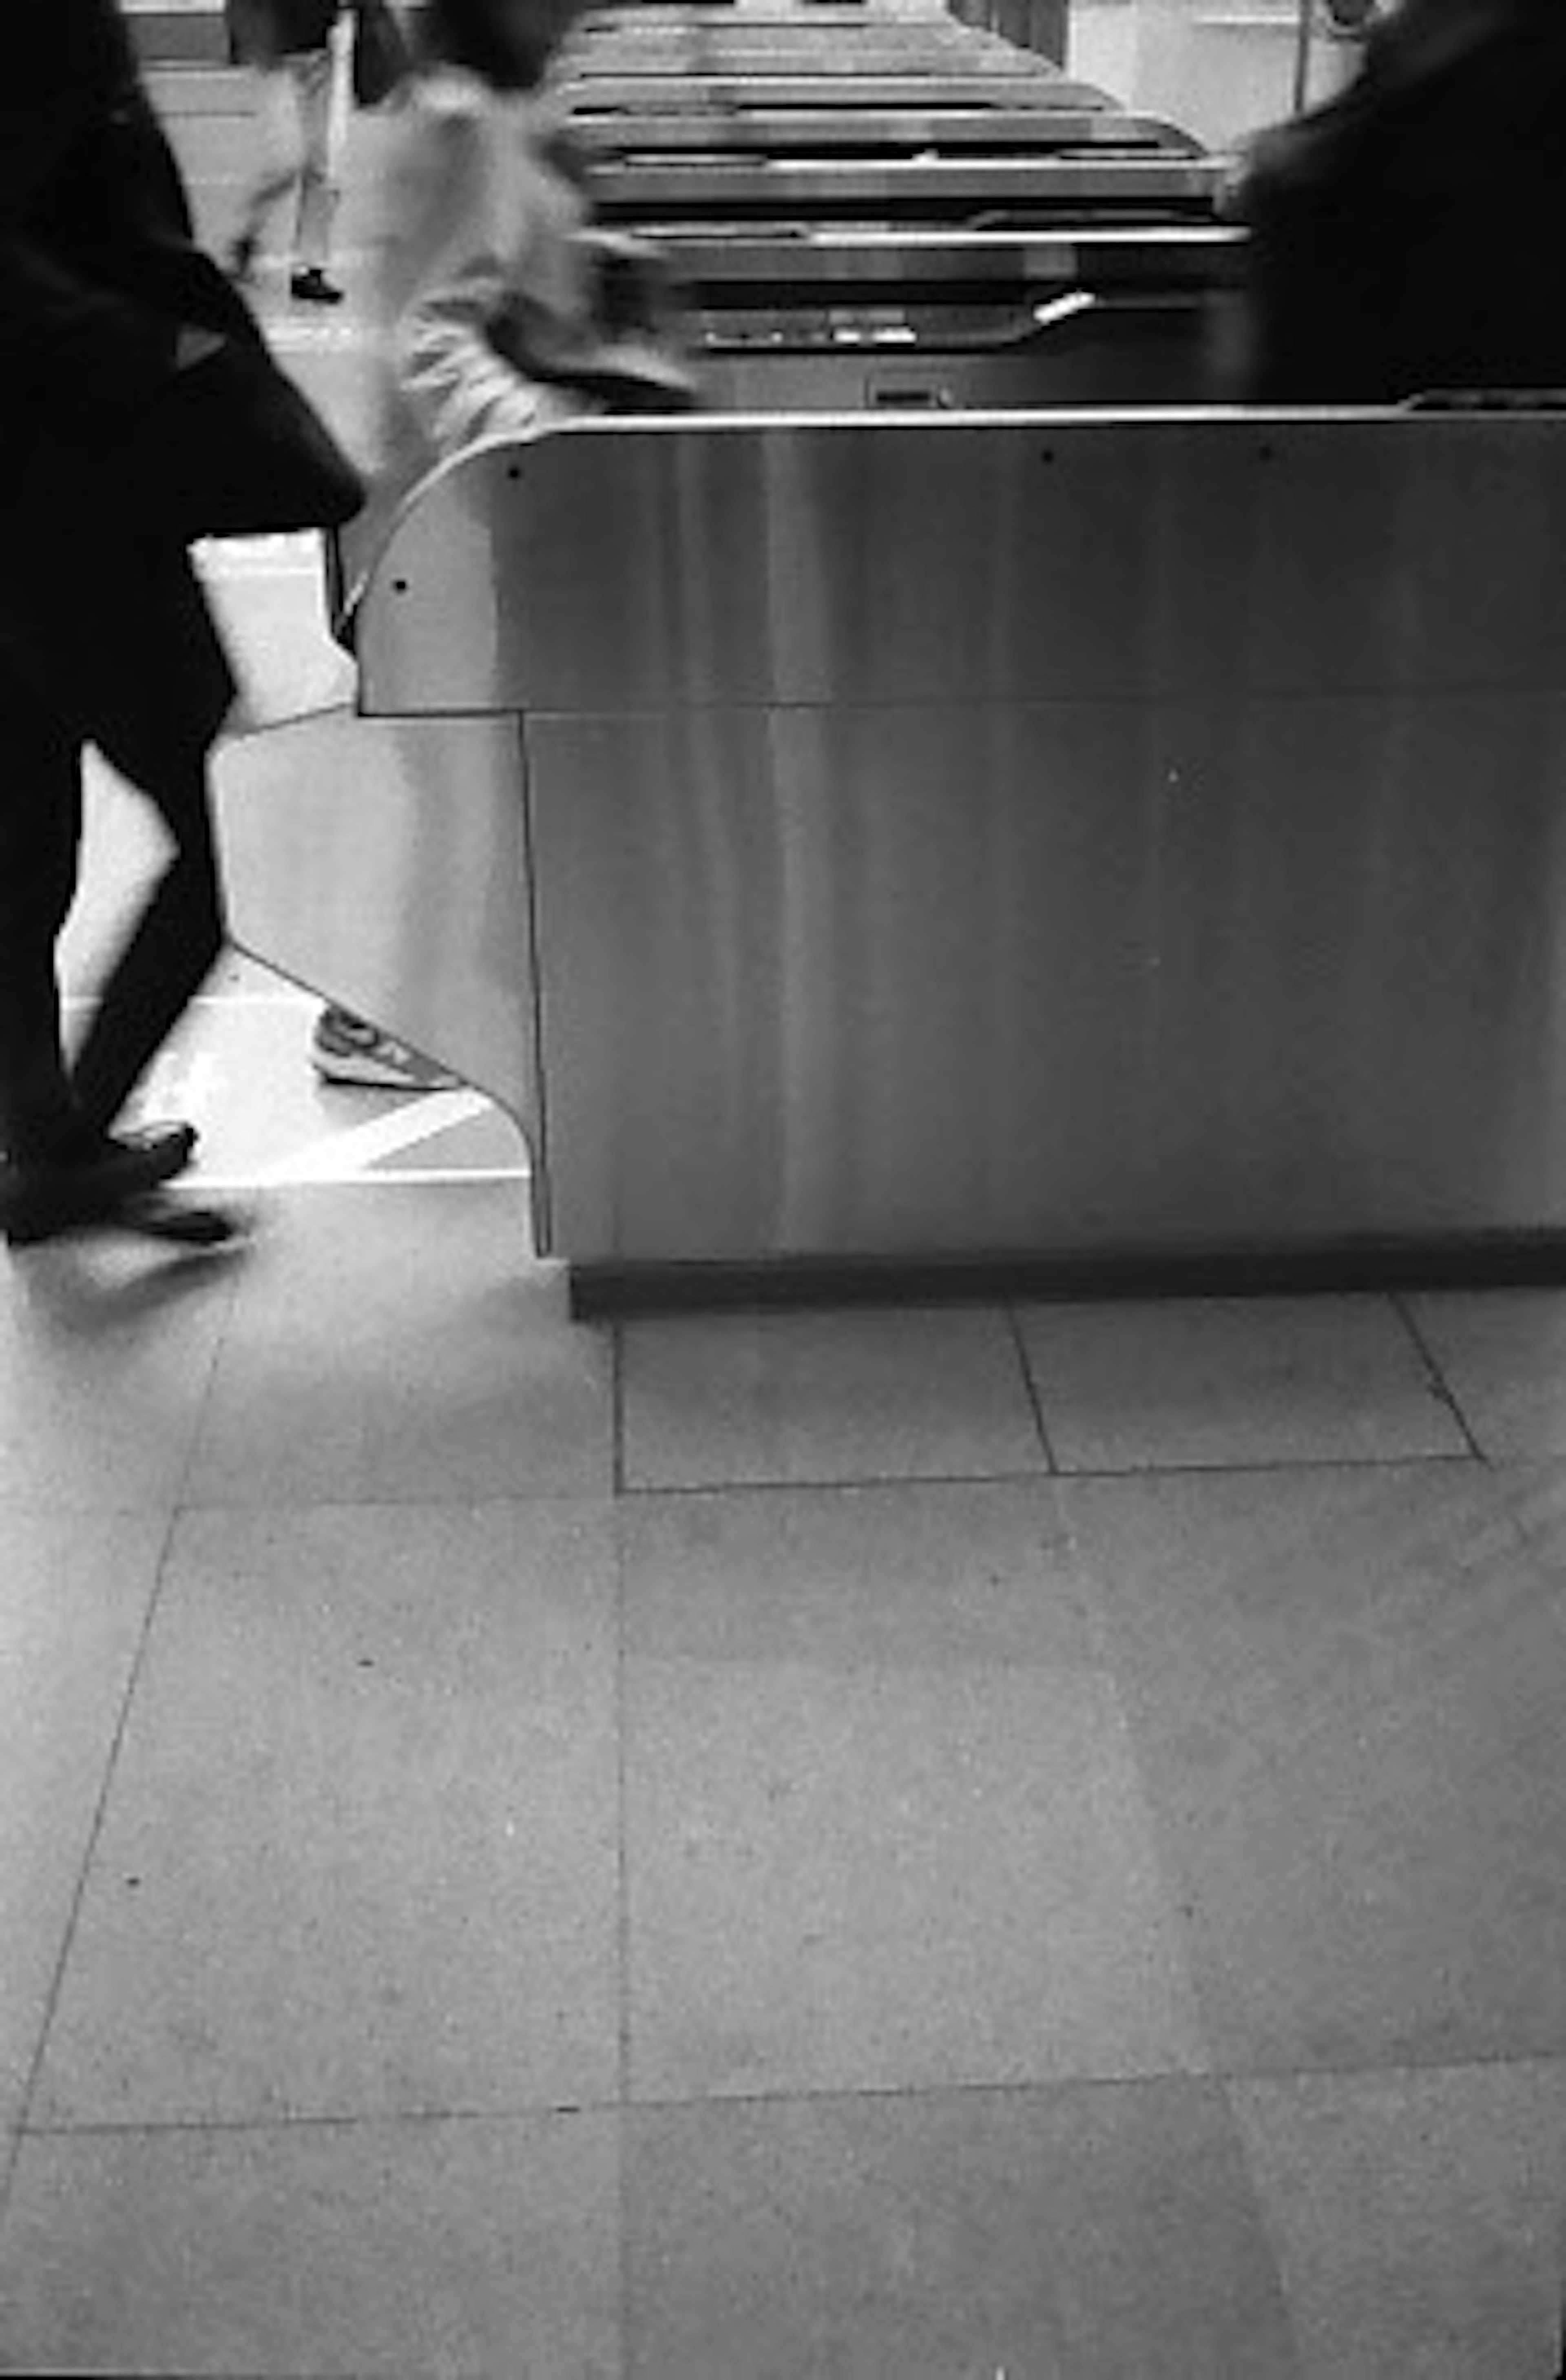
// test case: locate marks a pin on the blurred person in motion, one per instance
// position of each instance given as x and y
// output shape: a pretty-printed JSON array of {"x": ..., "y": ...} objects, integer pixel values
[
  {"x": 501, "y": 310},
  {"x": 498, "y": 310},
  {"x": 289, "y": 45},
  {"x": 129, "y": 366},
  {"x": 1406, "y": 239}
]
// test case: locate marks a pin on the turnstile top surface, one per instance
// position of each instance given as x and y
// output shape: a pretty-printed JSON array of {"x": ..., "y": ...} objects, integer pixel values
[
  {"x": 997, "y": 190},
  {"x": 688, "y": 95},
  {"x": 901, "y": 134},
  {"x": 848, "y": 258}
]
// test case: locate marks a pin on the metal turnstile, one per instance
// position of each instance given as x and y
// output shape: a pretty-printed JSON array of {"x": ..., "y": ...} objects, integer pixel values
[
  {"x": 928, "y": 132},
  {"x": 996, "y": 193},
  {"x": 951, "y": 320},
  {"x": 1074, "y": 849}
]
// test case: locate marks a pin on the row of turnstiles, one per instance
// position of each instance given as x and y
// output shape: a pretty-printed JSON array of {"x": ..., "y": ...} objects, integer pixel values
[
  {"x": 969, "y": 805},
  {"x": 893, "y": 210}
]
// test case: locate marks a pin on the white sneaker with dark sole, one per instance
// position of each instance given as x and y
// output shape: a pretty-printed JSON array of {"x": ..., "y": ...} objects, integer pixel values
[{"x": 356, "y": 1055}]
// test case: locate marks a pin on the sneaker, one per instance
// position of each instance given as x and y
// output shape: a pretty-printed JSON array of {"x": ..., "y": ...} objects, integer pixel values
[
  {"x": 311, "y": 287},
  {"x": 347, "y": 1050},
  {"x": 42, "y": 1201}
]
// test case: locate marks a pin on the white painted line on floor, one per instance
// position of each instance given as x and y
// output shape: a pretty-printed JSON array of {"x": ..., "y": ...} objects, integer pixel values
[
  {"x": 344, "y": 1156},
  {"x": 246, "y": 559},
  {"x": 184, "y": 1083},
  {"x": 199, "y": 1186}
]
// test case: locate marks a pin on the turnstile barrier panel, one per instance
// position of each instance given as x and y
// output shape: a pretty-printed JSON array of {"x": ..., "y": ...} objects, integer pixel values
[
  {"x": 998, "y": 836},
  {"x": 913, "y": 559}
]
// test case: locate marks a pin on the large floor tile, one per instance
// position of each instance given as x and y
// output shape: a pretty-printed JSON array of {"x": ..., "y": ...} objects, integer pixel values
[
  {"x": 912, "y": 1576},
  {"x": 1420, "y": 2218},
  {"x": 1346, "y": 1690},
  {"x": 1502, "y": 1353},
  {"x": 1059, "y": 2235},
  {"x": 360, "y": 1853},
  {"x": 106, "y": 1351},
  {"x": 422, "y": 2251},
  {"x": 790, "y": 1398},
  {"x": 1207, "y": 1383},
  {"x": 75, "y": 1591},
  {"x": 396, "y": 1344},
  {"x": 846, "y": 1879}
]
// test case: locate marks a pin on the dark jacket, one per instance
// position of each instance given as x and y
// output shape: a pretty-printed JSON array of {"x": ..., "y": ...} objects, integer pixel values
[
  {"x": 265, "y": 31},
  {"x": 1408, "y": 236},
  {"x": 99, "y": 272}
]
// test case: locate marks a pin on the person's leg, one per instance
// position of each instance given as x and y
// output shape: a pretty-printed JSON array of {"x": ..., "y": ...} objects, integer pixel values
[
  {"x": 279, "y": 160},
  {"x": 58, "y": 1171},
  {"x": 173, "y": 948},
  {"x": 312, "y": 81},
  {"x": 40, "y": 842}
]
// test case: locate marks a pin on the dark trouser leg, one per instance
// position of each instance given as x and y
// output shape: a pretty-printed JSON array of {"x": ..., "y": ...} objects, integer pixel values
[
  {"x": 172, "y": 950},
  {"x": 39, "y": 842}
]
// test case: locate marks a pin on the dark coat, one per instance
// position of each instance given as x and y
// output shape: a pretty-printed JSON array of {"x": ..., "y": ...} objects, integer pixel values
[
  {"x": 265, "y": 31},
  {"x": 99, "y": 272},
  {"x": 1408, "y": 236}
]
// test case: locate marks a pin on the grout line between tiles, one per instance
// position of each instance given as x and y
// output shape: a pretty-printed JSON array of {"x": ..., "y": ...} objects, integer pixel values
[
  {"x": 1438, "y": 1379},
  {"x": 1202, "y": 2077},
  {"x": 617, "y": 1407},
  {"x": 1270, "y": 2227},
  {"x": 209, "y": 1385},
  {"x": 623, "y": 1922},
  {"x": 1031, "y": 1389},
  {"x": 10, "y": 2157},
  {"x": 1445, "y": 1457},
  {"x": 95, "y": 1829}
]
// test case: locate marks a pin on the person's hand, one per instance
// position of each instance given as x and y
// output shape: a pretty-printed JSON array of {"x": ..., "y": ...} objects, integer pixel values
[{"x": 194, "y": 348}]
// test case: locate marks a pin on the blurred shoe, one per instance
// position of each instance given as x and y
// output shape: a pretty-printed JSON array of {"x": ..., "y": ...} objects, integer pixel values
[
  {"x": 185, "y": 1222},
  {"x": 347, "y": 1050},
  {"x": 41, "y": 1201},
  {"x": 312, "y": 288}
]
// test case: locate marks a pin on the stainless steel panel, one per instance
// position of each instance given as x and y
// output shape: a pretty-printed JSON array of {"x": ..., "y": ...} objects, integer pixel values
[
  {"x": 1049, "y": 977},
  {"x": 382, "y": 864},
  {"x": 782, "y": 49},
  {"x": 997, "y": 190},
  {"x": 814, "y": 53},
  {"x": 854, "y": 258},
  {"x": 1015, "y": 836},
  {"x": 642, "y": 20},
  {"x": 1129, "y": 350},
  {"x": 929, "y": 131},
  {"x": 995, "y": 85},
  {"x": 617, "y": 567}
]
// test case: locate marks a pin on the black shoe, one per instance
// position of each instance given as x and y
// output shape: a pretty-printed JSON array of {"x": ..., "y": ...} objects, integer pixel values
[
  {"x": 242, "y": 262},
  {"x": 41, "y": 1201},
  {"x": 312, "y": 288},
  {"x": 184, "y": 1221}
]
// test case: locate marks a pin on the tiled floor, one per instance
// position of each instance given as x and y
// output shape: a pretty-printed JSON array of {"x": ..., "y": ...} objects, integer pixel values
[
  {"x": 861, "y": 1896},
  {"x": 915, "y": 1845}
]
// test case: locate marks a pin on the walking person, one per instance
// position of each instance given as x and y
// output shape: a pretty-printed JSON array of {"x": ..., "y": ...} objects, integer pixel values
[
  {"x": 499, "y": 309},
  {"x": 1406, "y": 236},
  {"x": 133, "y": 383},
  {"x": 289, "y": 45}
]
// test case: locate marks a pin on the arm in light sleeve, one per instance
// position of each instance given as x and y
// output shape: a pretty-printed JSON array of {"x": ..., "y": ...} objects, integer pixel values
[{"x": 452, "y": 379}]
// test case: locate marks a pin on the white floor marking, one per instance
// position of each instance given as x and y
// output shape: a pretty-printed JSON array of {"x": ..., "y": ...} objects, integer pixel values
[
  {"x": 436, "y": 1177},
  {"x": 344, "y": 1156},
  {"x": 183, "y": 1083}
]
